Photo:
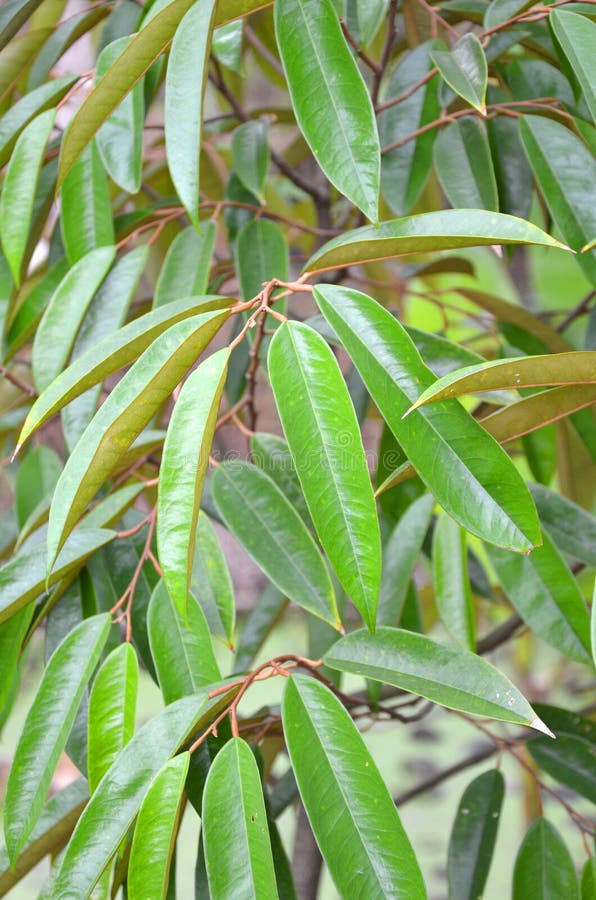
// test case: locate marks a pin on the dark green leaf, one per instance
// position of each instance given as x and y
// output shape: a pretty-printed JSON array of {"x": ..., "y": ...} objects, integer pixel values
[
  {"x": 399, "y": 558},
  {"x": 259, "y": 623},
  {"x": 452, "y": 586},
  {"x": 543, "y": 868},
  {"x": 250, "y": 155},
  {"x": 464, "y": 165},
  {"x": 261, "y": 255},
  {"x": 570, "y": 759},
  {"x": 572, "y": 528},
  {"x": 271, "y": 454},
  {"x": 211, "y": 582}
]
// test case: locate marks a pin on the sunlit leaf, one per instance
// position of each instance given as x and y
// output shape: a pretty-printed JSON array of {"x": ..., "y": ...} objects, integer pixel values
[
  {"x": 465, "y": 70},
  {"x": 86, "y": 216}
]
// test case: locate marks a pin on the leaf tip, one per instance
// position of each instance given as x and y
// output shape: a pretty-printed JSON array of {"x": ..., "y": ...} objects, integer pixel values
[{"x": 539, "y": 725}]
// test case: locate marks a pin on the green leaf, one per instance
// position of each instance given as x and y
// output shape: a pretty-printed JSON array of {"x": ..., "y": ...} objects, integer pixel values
[
  {"x": 122, "y": 417},
  {"x": 114, "y": 805},
  {"x": 36, "y": 479},
  {"x": 13, "y": 16},
  {"x": 182, "y": 650},
  {"x": 28, "y": 107},
  {"x": 565, "y": 171},
  {"x": 109, "y": 355},
  {"x": 274, "y": 535},
  {"x": 572, "y": 528},
  {"x": 474, "y": 835},
  {"x": 85, "y": 212},
  {"x": 58, "y": 328},
  {"x": 588, "y": 880},
  {"x": 185, "y": 271},
  {"x": 211, "y": 582},
  {"x": 23, "y": 578},
  {"x": 547, "y": 597},
  {"x": 324, "y": 439},
  {"x": 185, "y": 86},
  {"x": 448, "y": 229},
  {"x": 120, "y": 138},
  {"x": 352, "y": 815},
  {"x": 47, "y": 727},
  {"x": 237, "y": 847},
  {"x": 399, "y": 558},
  {"x": 498, "y": 506},
  {"x": 258, "y": 625},
  {"x": 452, "y": 586},
  {"x": 465, "y": 70},
  {"x": 330, "y": 99},
  {"x": 250, "y": 155},
  {"x": 112, "y": 705},
  {"x": 271, "y": 454},
  {"x": 464, "y": 165},
  {"x": 543, "y": 867},
  {"x": 569, "y": 759},
  {"x": 18, "y": 192},
  {"x": 185, "y": 461},
  {"x": 261, "y": 255},
  {"x": 512, "y": 171},
  {"x": 576, "y": 35},
  {"x": 20, "y": 326},
  {"x": 499, "y": 11},
  {"x": 12, "y": 634},
  {"x": 453, "y": 677},
  {"x": 62, "y": 35},
  {"x": 226, "y": 44},
  {"x": 156, "y": 831}
]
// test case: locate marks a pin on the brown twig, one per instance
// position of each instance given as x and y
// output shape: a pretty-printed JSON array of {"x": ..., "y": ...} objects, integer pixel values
[{"x": 18, "y": 382}]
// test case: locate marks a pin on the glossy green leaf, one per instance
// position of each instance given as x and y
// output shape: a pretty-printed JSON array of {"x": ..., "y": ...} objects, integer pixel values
[
  {"x": 271, "y": 454},
  {"x": 405, "y": 169},
  {"x": 58, "y": 328},
  {"x": 18, "y": 192},
  {"x": 473, "y": 836},
  {"x": 400, "y": 554},
  {"x": 182, "y": 650},
  {"x": 185, "y": 86},
  {"x": 28, "y": 107},
  {"x": 109, "y": 355},
  {"x": 185, "y": 461},
  {"x": 258, "y": 625},
  {"x": 156, "y": 831},
  {"x": 22, "y": 579},
  {"x": 261, "y": 255},
  {"x": 250, "y": 154},
  {"x": 237, "y": 847},
  {"x": 448, "y": 229},
  {"x": 351, "y": 812},
  {"x": 569, "y": 759},
  {"x": 86, "y": 216},
  {"x": 330, "y": 99},
  {"x": 47, "y": 727},
  {"x": 324, "y": 438},
  {"x": 588, "y": 879},
  {"x": 547, "y": 597},
  {"x": 497, "y": 506},
  {"x": 502, "y": 10},
  {"x": 565, "y": 171},
  {"x": 465, "y": 70},
  {"x": 453, "y": 594},
  {"x": 122, "y": 417},
  {"x": 112, "y": 705},
  {"x": 464, "y": 165},
  {"x": 543, "y": 867},
  {"x": 211, "y": 582},
  {"x": 185, "y": 271},
  {"x": 576, "y": 35},
  {"x": 226, "y": 44},
  {"x": 115, "y": 803},
  {"x": 572, "y": 528},
  {"x": 274, "y": 535},
  {"x": 453, "y": 677},
  {"x": 120, "y": 138}
]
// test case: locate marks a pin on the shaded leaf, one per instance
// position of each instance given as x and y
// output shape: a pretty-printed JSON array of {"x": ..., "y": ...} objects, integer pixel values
[
  {"x": 465, "y": 70},
  {"x": 13, "y": 16},
  {"x": 261, "y": 255},
  {"x": 250, "y": 155},
  {"x": 28, "y": 107},
  {"x": 36, "y": 479},
  {"x": 576, "y": 35},
  {"x": 185, "y": 271},
  {"x": 399, "y": 558},
  {"x": 452, "y": 586},
  {"x": 572, "y": 528},
  {"x": 543, "y": 867},
  {"x": 259, "y": 623},
  {"x": 464, "y": 165},
  {"x": 211, "y": 582},
  {"x": 569, "y": 759},
  {"x": 85, "y": 213},
  {"x": 271, "y": 454}
]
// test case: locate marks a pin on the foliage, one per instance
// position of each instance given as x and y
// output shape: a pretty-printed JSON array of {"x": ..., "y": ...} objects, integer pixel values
[{"x": 373, "y": 221}]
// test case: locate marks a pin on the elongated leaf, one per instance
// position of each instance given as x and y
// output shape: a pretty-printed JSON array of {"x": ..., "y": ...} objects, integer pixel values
[
  {"x": 259, "y": 623},
  {"x": 14, "y": 14},
  {"x": 330, "y": 99},
  {"x": 569, "y": 759},
  {"x": 112, "y": 705},
  {"x": 36, "y": 479},
  {"x": 547, "y": 597},
  {"x": 452, "y": 586},
  {"x": 399, "y": 558},
  {"x": 86, "y": 216},
  {"x": 182, "y": 474},
  {"x": 525, "y": 371},
  {"x": 185, "y": 86},
  {"x": 185, "y": 271},
  {"x": 543, "y": 867},
  {"x": 122, "y": 417},
  {"x": 58, "y": 328},
  {"x": 588, "y": 880},
  {"x": 250, "y": 154},
  {"x": 22, "y": 579},
  {"x": 47, "y": 727},
  {"x": 274, "y": 535},
  {"x": 118, "y": 796},
  {"x": 576, "y": 35},
  {"x": 466, "y": 485},
  {"x": 572, "y": 527},
  {"x": 261, "y": 255},
  {"x": 453, "y": 677},
  {"x": 428, "y": 232},
  {"x": 18, "y": 192},
  {"x": 465, "y": 70},
  {"x": 12, "y": 633},
  {"x": 474, "y": 835},
  {"x": 324, "y": 438},
  {"x": 20, "y": 326},
  {"x": 61, "y": 36},
  {"x": 30, "y": 105},
  {"x": 237, "y": 847},
  {"x": 464, "y": 165},
  {"x": 155, "y": 832},
  {"x": 272, "y": 454},
  {"x": 211, "y": 582},
  {"x": 182, "y": 650},
  {"x": 351, "y": 813},
  {"x": 110, "y": 354},
  {"x": 565, "y": 170}
]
